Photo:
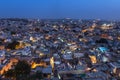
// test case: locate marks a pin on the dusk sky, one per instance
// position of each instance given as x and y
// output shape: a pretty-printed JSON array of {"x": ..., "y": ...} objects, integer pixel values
[{"x": 85, "y": 9}]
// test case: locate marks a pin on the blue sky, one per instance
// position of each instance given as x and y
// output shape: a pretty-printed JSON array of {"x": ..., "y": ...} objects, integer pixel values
[{"x": 86, "y": 9}]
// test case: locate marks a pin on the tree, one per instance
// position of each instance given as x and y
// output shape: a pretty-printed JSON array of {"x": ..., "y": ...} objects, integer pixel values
[
  {"x": 36, "y": 76},
  {"x": 102, "y": 40},
  {"x": 39, "y": 75},
  {"x": 37, "y": 29},
  {"x": 22, "y": 69},
  {"x": 13, "y": 32},
  {"x": 10, "y": 74},
  {"x": 12, "y": 45}
]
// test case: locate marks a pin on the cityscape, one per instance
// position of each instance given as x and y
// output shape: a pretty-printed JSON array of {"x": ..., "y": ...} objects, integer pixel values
[
  {"x": 59, "y": 40},
  {"x": 60, "y": 49}
]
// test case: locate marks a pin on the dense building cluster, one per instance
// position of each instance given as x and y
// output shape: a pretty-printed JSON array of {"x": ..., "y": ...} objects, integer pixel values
[{"x": 62, "y": 49}]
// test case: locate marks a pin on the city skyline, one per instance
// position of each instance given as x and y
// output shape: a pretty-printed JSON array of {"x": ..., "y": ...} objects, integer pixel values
[{"x": 52, "y": 9}]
